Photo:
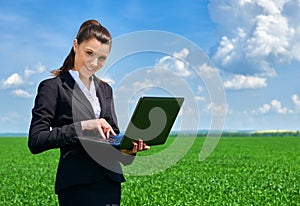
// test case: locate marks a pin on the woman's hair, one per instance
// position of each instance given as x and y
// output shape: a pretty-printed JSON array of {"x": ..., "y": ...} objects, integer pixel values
[{"x": 90, "y": 29}]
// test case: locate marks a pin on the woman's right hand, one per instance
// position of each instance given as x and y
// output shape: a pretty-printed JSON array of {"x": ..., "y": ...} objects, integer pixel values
[{"x": 101, "y": 125}]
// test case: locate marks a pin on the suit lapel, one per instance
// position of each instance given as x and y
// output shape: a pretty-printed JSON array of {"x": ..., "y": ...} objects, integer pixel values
[
  {"x": 100, "y": 94},
  {"x": 78, "y": 96}
]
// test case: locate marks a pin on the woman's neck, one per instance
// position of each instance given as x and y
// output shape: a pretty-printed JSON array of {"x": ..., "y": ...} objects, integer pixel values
[{"x": 85, "y": 81}]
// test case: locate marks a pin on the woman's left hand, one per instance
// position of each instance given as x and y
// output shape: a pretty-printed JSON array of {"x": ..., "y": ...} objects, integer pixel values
[{"x": 137, "y": 147}]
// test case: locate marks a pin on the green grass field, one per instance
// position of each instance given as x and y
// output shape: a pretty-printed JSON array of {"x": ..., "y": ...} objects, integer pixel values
[{"x": 240, "y": 171}]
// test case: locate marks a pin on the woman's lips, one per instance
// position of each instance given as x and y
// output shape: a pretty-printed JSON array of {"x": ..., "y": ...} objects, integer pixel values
[{"x": 88, "y": 68}]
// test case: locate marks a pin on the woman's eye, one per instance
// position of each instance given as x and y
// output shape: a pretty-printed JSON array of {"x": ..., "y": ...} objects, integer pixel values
[
  {"x": 89, "y": 53},
  {"x": 102, "y": 58}
]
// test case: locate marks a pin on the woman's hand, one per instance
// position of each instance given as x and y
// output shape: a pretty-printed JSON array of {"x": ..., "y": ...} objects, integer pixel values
[
  {"x": 101, "y": 125},
  {"x": 140, "y": 146}
]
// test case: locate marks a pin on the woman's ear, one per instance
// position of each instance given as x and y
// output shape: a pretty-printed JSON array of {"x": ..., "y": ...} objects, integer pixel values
[{"x": 75, "y": 45}]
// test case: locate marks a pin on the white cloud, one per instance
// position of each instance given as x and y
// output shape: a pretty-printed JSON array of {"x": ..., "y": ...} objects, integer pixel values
[
  {"x": 138, "y": 85},
  {"x": 265, "y": 108},
  {"x": 217, "y": 109},
  {"x": 182, "y": 54},
  {"x": 12, "y": 81},
  {"x": 40, "y": 68},
  {"x": 296, "y": 102},
  {"x": 275, "y": 106},
  {"x": 168, "y": 75},
  {"x": 225, "y": 51},
  {"x": 16, "y": 80},
  {"x": 245, "y": 82},
  {"x": 175, "y": 63},
  {"x": 256, "y": 35},
  {"x": 200, "y": 98},
  {"x": 108, "y": 79},
  {"x": 207, "y": 72},
  {"x": 21, "y": 93}
]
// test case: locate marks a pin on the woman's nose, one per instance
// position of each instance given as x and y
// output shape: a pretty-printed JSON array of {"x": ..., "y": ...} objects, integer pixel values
[{"x": 94, "y": 62}]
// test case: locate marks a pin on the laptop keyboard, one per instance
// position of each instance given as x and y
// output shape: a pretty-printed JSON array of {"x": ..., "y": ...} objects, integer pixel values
[{"x": 114, "y": 140}]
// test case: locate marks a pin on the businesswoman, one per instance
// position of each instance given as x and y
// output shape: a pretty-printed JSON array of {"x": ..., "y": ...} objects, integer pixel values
[{"x": 74, "y": 104}]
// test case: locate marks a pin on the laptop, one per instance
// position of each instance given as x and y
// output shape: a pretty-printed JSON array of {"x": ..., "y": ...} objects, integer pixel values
[{"x": 151, "y": 121}]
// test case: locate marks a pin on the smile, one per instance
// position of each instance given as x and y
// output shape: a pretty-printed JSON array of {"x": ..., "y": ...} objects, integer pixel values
[{"x": 89, "y": 68}]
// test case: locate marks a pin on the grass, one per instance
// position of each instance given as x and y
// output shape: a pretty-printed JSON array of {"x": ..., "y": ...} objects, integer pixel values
[
  {"x": 26, "y": 179},
  {"x": 240, "y": 171}
]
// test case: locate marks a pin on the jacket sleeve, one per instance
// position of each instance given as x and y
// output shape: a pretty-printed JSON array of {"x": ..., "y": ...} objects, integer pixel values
[{"x": 42, "y": 133}]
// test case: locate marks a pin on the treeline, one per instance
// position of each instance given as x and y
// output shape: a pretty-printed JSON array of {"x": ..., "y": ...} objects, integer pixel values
[
  {"x": 238, "y": 133},
  {"x": 277, "y": 134},
  {"x": 262, "y": 134}
]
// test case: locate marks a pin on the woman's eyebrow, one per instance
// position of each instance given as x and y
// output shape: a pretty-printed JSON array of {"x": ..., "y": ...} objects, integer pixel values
[
  {"x": 89, "y": 48},
  {"x": 100, "y": 54}
]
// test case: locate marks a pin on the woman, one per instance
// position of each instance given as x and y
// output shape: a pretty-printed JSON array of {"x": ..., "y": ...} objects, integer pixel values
[{"x": 73, "y": 104}]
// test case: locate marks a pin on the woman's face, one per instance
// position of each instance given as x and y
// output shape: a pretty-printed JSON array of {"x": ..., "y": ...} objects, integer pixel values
[{"x": 90, "y": 56}]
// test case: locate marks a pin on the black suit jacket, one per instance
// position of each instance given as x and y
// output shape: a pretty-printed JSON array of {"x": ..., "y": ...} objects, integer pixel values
[{"x": 59, "y": 107}]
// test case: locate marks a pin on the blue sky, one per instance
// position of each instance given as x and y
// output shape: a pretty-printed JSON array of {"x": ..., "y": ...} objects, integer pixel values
[{"x": 253, "y": 44}]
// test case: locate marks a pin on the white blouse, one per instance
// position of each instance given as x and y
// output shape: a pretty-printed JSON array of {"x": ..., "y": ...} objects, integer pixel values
[{"x": 90, "y": 94}]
